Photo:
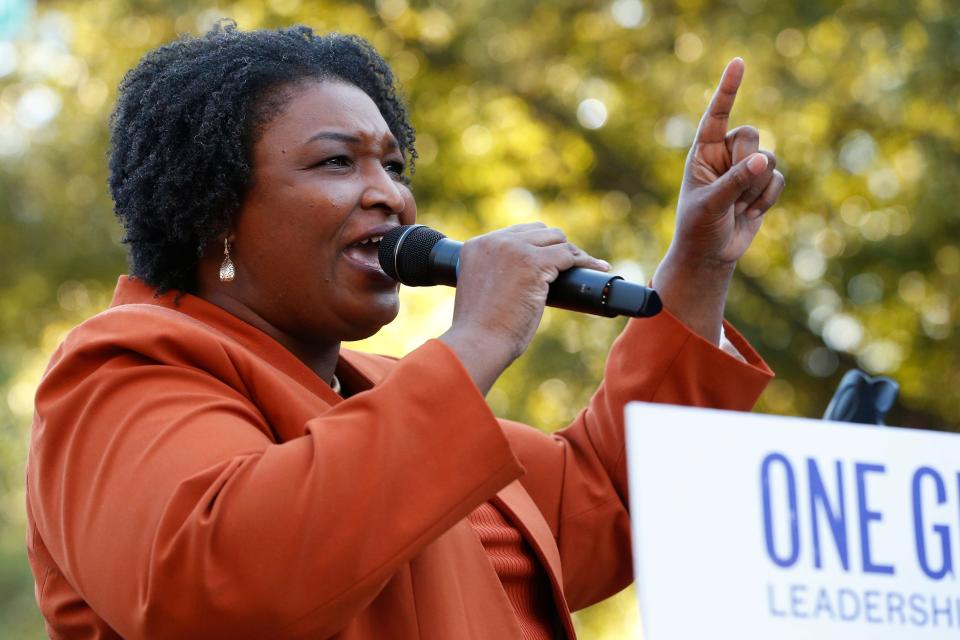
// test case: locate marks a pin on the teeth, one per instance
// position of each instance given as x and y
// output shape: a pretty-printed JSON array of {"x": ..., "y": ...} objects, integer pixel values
[{"x": 373, "y": 239}]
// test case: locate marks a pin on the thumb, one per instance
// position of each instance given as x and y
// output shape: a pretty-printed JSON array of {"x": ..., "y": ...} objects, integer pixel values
[{"x": 738, "y": 178}]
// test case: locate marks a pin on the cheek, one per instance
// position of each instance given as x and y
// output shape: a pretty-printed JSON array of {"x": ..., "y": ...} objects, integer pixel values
[
  {"x": 314, "y": 215},
  {"x": 294, "y": 239},
  {"x": 327, "y": 202},
  {"x": 409, "y": 214}
]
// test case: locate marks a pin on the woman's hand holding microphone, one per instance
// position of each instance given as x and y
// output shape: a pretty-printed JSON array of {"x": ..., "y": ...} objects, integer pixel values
[{"x": 501, "y": 292}]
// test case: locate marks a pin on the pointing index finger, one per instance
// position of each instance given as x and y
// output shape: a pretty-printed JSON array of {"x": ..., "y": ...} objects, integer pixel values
[{"x": 713, "y": 125}]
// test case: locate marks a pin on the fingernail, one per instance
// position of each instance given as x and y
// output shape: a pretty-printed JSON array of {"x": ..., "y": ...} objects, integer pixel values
[
  {"x": 757, "y": 163},
  {"x": 739, "y": 208},
  {"x": 605, "y": 264}
]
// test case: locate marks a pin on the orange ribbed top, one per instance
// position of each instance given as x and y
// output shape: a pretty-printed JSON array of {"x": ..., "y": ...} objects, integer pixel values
[{"x": 519, "y": 570}]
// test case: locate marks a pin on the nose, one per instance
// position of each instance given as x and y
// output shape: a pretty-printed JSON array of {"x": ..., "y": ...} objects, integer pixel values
[{"x": 382, "y": 191}]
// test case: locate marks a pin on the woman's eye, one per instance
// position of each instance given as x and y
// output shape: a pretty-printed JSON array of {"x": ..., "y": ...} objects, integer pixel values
[
  {"x": 336, "y": 161},
  {"x": 395, "y": 168}
]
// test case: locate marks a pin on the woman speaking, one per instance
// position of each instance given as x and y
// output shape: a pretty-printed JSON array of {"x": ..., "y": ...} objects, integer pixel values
[{"x": 207, "y": 462}]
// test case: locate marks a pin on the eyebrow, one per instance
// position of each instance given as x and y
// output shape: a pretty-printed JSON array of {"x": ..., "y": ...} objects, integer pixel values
[{"x": 345, "y": 137}]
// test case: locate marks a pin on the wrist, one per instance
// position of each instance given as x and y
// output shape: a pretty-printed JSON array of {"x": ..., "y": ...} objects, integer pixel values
[
  {"x": 693, "y": 271},
  {"x": 483, "y": 356},
  {"x": 690, "y": 256},
  {"x": 695, "y": 291}
]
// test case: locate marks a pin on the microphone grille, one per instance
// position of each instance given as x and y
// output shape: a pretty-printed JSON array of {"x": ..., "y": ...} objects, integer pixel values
[
  {"x": 410, "y": 262},
  {"x": 388, "y": 244}
]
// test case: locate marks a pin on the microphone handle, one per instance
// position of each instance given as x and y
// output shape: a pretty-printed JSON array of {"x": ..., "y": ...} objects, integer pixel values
[
  {"x": 445, "y": 261},
  {"x": 577, "y": 289}
]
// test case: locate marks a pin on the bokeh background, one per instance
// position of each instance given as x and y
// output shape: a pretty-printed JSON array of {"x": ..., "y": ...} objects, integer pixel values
[{"x": 574, "y": 112}]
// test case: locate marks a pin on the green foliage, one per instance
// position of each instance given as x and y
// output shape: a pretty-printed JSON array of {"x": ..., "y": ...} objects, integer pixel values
[{"x": 857, "y": 266}]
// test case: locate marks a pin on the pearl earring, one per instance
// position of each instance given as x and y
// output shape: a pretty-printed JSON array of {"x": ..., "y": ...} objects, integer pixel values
[{"x": 227, "y": 271}]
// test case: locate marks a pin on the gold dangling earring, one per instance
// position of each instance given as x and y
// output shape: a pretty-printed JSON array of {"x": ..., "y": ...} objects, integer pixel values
[{"x": 227, "y": 271}]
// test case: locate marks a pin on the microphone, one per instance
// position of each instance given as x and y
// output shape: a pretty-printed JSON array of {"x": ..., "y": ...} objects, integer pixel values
[{"x": 419, "y": 256}]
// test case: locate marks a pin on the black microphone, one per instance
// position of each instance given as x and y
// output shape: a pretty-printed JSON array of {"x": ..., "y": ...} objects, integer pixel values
[{"x": 419, "y": 256}]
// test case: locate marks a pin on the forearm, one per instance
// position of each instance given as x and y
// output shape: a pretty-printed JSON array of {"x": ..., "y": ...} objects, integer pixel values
[
  {"x": 484, "y": 358},
  {"x": 578, "y": 475},
  {"x": 694, "y": 293}
]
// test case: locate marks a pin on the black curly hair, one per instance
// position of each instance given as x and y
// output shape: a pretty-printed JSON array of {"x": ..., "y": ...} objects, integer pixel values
[{"x": 185, "y": 122}]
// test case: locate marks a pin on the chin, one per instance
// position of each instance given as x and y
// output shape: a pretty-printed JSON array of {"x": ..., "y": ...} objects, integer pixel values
[{"x": 371, "y": 322}]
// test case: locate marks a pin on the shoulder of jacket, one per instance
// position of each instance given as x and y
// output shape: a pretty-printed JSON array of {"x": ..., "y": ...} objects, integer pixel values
[{"x": 149, "y": 331}]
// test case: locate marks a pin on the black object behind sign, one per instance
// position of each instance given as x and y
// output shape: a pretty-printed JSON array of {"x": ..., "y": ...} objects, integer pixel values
[{"x": 861, "y": 398}]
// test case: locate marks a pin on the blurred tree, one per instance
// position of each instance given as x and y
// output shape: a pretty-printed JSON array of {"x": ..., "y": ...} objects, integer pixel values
[{"x": 573, "y": 112}]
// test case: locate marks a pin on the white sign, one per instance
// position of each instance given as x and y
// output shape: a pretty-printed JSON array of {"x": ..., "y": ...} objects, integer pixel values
[{"x": 749, "y": 526}]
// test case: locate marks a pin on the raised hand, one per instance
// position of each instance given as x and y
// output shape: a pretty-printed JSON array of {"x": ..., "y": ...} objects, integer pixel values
[{"x": 728, "y": 184}]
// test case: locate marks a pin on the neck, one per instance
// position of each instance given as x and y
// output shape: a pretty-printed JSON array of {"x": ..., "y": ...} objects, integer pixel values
[{"x": 320, "y": 356}]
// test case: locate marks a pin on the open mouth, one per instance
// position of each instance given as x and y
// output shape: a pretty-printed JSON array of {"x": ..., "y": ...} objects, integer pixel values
[{"x": 365, "y": 252}]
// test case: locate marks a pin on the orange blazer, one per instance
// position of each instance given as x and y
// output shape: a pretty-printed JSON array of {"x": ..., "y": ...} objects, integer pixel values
[{"x": 190, "y": 478}]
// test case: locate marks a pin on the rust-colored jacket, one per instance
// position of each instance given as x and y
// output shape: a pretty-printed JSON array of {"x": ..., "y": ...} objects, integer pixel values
[{"x": 190, "y": 478}]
